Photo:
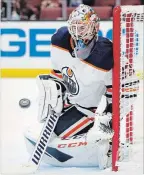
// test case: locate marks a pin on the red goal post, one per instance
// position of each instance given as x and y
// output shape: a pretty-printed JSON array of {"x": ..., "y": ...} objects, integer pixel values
[{"x": 128, "y": 51}]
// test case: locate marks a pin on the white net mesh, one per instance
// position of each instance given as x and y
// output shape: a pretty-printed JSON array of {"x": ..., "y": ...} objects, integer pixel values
[
  {"x": 131, "y": 68},
  {"x": 132, "y": 35}
]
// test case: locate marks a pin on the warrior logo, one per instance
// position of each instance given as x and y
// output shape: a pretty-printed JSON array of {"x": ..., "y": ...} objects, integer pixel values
[{"x": 70, "y": 80}]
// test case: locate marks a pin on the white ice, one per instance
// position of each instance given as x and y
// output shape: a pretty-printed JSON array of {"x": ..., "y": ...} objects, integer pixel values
[{"x": 14, "y": 120}]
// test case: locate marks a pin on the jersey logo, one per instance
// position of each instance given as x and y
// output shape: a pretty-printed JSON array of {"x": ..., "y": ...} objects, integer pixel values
[{"x": 70, "y": 80}]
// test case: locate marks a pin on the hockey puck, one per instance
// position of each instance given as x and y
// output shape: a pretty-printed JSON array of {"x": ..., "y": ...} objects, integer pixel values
[{"x": 24, "y": 103}]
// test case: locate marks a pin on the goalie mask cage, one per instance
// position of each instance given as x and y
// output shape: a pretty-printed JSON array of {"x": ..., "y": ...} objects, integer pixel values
[{"x": 128, "y": 50}]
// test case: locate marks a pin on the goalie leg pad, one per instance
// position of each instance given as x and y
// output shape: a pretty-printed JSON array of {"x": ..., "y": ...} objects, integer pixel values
[
  {"x": 102, "y": 150},
  {"x": 68, "y": 152}
]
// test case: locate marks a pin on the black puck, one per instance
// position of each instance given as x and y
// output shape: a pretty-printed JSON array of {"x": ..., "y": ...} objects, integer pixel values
[{"x": 24, "y": 103}]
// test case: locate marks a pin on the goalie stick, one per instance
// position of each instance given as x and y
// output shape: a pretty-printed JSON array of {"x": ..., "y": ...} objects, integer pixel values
[
  {"x": 50, "y": 96},
  {"x": 36, "y": 157},
  {"x": 48, "y": 100},
  {"x": 43, "y": 141}
]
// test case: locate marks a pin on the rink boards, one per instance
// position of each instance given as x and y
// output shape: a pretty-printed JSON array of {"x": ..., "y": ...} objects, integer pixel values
[
  {"x": 26, "y": 46},
  {"x": 26, "y": 50}
]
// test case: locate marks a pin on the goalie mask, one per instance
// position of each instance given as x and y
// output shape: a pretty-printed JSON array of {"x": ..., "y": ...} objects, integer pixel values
[{"x": 83, "y": 26}]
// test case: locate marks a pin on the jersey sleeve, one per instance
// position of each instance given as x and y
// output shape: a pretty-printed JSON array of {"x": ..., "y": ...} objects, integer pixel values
[
  {"x": 59, "y": 47},
  {"x": 61, "y": 38}
]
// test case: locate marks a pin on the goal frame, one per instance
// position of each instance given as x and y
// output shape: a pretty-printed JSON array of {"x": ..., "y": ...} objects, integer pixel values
[
  {"x": 129, "y": 20},
  {"x": 116, "y": 84}
]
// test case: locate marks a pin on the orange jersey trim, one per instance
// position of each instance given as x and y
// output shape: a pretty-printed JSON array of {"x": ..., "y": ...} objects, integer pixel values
[
  {"x": 55, "y": 74},
  {"x": 71, "y": 43},
  {"x": 98, "y": 68},
  {"x": 61, "y": 48}
]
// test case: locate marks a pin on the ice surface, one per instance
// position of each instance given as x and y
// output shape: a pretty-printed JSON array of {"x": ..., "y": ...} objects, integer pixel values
[{"x": 14, "y": 120}]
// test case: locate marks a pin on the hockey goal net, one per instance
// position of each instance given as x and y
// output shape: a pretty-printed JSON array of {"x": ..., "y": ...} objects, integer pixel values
[{"x": 128, "y": 41}]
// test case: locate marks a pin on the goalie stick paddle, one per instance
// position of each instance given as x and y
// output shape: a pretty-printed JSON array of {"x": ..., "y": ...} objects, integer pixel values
[{"x": 43, "y": 141}]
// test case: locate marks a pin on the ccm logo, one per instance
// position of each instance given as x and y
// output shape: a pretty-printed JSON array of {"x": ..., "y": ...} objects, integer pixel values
[{"x": 70, "y": 145}]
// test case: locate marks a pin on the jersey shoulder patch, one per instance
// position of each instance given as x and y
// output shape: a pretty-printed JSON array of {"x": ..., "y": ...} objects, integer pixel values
[
  {"x": 102, "y": 54},
  {"x": 61, "y": 38}
]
